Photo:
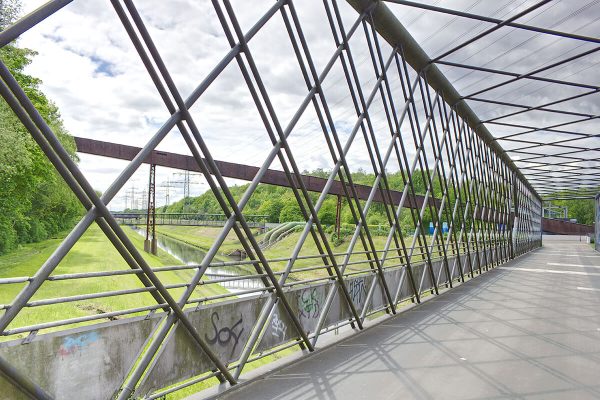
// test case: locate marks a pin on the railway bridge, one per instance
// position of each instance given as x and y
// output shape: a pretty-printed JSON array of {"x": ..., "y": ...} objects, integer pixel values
[{"x": 438, "y": 129}]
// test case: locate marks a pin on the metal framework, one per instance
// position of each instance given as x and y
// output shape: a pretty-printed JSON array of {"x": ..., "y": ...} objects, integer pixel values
[
  {"x": 562, "y": 167},
  {"x": 150, "y": 243},
  {"x": 237, "y": 171},
  {"x": 430, "y": 136}
]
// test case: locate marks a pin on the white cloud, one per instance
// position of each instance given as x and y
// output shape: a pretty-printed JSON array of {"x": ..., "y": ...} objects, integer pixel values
[{"x": 91, "y": 70}]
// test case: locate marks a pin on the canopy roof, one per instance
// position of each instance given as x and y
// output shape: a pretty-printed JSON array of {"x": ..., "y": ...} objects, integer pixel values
[{"x": 528, "y": 70}]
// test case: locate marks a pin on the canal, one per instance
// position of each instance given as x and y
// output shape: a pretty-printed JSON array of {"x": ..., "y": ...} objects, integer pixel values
[{"x": 192, "y": 255}]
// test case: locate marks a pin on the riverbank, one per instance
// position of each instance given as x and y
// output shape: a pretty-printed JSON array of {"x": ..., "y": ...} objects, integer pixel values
[
  {"x": 203, "y": 237},
  {"x": 93, "y": 252}
]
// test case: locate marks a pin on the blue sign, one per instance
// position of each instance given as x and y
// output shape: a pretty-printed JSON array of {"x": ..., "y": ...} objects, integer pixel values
[{"x": 431, "y": 228}]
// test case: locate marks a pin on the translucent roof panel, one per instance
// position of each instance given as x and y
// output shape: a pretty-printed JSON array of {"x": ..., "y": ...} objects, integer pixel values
[{"x": 529, "y": 70}]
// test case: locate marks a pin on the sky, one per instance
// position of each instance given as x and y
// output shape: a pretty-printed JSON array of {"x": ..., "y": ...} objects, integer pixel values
[{"x": 91, "y": 70}]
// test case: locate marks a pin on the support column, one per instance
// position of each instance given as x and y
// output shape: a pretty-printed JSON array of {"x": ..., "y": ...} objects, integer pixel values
[
  {"x": 338, "y": 217},
  {"x": 150, "y": 242},
  {"x": 515, "y": 217}
]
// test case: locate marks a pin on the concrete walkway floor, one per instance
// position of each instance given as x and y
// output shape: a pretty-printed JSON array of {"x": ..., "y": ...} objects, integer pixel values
[{"x": 527, "y": 330}]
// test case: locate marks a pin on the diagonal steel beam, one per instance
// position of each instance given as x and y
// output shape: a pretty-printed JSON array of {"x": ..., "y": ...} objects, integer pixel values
[
  {"x": 22, "y": 382},
  {"x": 396, "y": 35},
  {"x": 534, "y": 71},
  {"x": 99, "y": 210},
  {"x": 491, "y": 30},
  {"x": 495, "y": 21},
  {"x": 516, "y": 75},
  {"x": 30, "y": 20}
]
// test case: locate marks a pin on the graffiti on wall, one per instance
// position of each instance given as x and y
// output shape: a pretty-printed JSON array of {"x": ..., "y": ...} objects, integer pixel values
[
  {"x": 357, "y": 290},
  {"x": 278, "y": 328},
  {"x": 75, "y": 344},
  {"x": 224, "y": 334},
  {"x": 309, "y": 303}
]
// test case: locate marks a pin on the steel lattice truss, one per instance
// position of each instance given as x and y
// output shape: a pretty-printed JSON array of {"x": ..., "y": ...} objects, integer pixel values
[
  {"x": 493, "y": 212},
  {"x": 542, "y": 116}
]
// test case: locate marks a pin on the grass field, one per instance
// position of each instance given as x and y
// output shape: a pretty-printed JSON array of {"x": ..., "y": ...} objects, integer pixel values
[
  {"x": 93, "y": 252},
  {"x": 203, "y": 237},
  {"x": 200, "y": 236}
]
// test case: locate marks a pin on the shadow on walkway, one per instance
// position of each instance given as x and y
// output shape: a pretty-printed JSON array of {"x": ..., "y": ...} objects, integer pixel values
[{"x": 512, "y": 333}]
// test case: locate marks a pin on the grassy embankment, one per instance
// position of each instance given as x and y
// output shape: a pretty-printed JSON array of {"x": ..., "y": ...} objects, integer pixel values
[
  {"x": 93, "y": 252},
  {"x": 203, "y": 237}
]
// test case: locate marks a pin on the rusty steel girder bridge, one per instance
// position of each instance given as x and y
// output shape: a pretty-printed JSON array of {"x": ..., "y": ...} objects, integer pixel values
[{"x": 483, "y": 191}]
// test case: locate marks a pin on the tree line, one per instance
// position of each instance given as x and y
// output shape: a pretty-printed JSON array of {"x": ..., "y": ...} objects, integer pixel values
[
  {"x": 35, "y": 203},
  {"x": 278, "y": 204}
]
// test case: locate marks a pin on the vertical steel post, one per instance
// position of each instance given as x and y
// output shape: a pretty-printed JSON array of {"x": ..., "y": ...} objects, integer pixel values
[
  {"x": 338, "y": 217},
  {"x": 150, "y": 242}
]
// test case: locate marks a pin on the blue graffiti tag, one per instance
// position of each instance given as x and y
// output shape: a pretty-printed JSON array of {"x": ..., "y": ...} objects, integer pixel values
[{"x": 73, "y": 344}]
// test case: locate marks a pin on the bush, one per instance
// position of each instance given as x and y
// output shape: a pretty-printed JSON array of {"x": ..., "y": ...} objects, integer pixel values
[
  {"x": 37, "y": 231},
  {"x": 327, "y": 213},
  {"x": 290, "y": 213}
]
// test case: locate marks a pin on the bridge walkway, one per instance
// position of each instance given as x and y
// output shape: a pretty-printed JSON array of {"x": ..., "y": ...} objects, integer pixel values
[{"x": 529, "y": 329}]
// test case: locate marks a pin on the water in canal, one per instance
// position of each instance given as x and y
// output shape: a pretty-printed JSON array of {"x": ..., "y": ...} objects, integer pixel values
[{"x": 190, "y": 255}]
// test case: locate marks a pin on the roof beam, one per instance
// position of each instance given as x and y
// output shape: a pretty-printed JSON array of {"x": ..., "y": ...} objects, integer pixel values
[
  {"x": 492, "y": 29},
  {"x": 516, "y": 75},
  {"x": 388, "y": 26},
  {"x": 496, "y": 21},
  {"x": 550, "y": 128},
  {"x": 541, "y": 107},
  {"x": 535, "y": 71}
]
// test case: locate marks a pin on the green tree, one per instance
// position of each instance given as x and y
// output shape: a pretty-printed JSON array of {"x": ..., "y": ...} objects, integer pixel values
[
  {"x": 291, "y": 213},
  {"x": 280, "y": 204},
  {"x": 327, "y": 212},
  {"x": 272, "y": 208},
  {"x": 580, "y": 209},
  {"x": 34, "y": 201}
]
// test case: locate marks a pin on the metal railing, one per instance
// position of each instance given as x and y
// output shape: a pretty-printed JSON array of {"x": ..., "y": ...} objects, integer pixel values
[{"x": 185, "y": 219}]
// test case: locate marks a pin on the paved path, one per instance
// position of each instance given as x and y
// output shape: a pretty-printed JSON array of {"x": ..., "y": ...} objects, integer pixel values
[{"x": 530, "y": 330}]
